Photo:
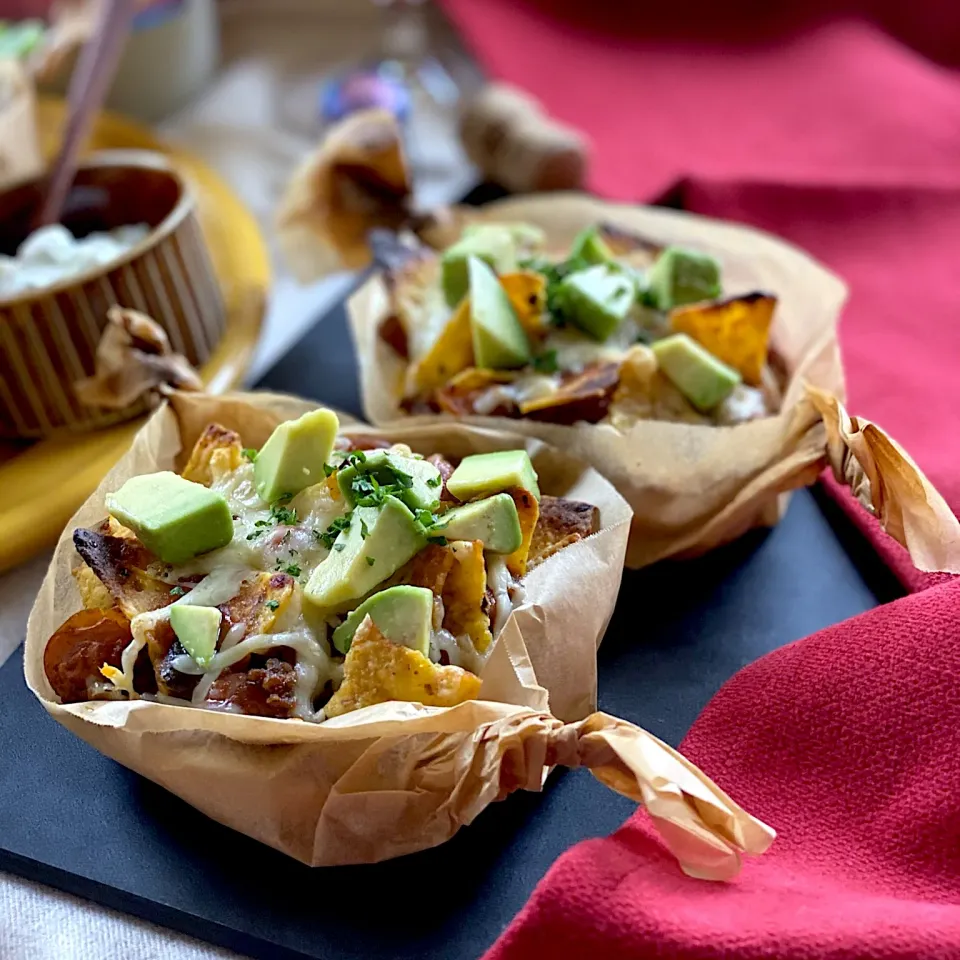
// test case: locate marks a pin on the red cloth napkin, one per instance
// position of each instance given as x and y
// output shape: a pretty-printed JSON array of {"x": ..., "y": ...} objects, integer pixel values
[
  {"x": 842, "y": 135},
  {"x": 847, "y": 742}
]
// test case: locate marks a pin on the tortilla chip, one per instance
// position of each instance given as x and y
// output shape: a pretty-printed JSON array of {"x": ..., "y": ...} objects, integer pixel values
[
  {"x": 121, "y": 564},
  {"x": 632, "y": 248},
  {"x": 461, "y": 394},
  {"x": 527, "y": 292},
  {"x": 528, "y": 511},
  {"x": 217, "y": 452},
  {"x": 736, "y": 331},
  {"x": 463, "y": 594},
  {"x": 561, "y": 522},
  {"x": 377, "y": 670},
  {"x": 93, "y": 594},
  {"x": 450, "y": 354},
  {"x": 584, "y": 396},
  {"x": 429, "y": 568}
]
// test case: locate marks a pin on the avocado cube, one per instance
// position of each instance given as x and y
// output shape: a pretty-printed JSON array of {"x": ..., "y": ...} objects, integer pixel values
[
  {"x": 494, "y": 521},
  {"x": 683, "y": 276},
  {"x": 376, "y": 544},
  {"x": 499, "y": 340},
  {"x": 404, "y": 615},
  {"x": 483, "y": 474},
  {"x": 172, "y": 517},
  {"x": 588, "y": 245},
  {"x": 198, "y": 629},
  {"x": 697, "y": 374},
  {"x": 597, "y": 299},
  {"x": 491, "y": 243},
  {"x": 420, "y": 479},
  {"x": 292, "y": 459}
]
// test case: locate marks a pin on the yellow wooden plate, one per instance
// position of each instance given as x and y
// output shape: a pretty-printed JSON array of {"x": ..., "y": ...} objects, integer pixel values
[{"x": 42, "y": 484}]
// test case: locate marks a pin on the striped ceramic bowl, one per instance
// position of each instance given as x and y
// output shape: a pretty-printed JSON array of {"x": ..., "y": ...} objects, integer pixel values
[{"x": 48, "y": 337}]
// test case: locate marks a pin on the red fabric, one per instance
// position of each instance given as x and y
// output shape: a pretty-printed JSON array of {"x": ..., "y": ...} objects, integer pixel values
[
  {"x": 847, "y": 743},
  {"x": 836, "y": 125}
]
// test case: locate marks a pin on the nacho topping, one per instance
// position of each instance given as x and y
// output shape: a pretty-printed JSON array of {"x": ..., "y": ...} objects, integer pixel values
[
  {"x": 559, "y": 346},
  {"x": 317, "y": 605}
]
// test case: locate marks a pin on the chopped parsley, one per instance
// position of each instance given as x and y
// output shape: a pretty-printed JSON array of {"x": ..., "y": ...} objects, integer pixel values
[
  {"x": 293, "y": 569},
  {"x": 329, "y": 535},
  {"x": 250, "y": 453},
  {"x": 272, "y": 604},
  {"x": 546, "y": 362},
  {"x": 439, "y": 541},
  {"x": 371, "y": 561},
  {"x": 283, "y": 515},
  {"x": 339, "y": 546},
  {"x": 364, "y": 532},
  {"x": 329, "y": 469},
  {"x": 434, "y": 481},
  {"x": 177, "y": 591}
]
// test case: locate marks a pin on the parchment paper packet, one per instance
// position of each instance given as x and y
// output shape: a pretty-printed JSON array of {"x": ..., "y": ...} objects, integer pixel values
[
  {"x": 694, "y": 487},
  {"x": 399, "y": 777}
]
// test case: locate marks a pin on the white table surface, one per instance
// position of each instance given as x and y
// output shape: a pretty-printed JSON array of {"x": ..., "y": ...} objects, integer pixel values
[{"x": 236, "y": 128}]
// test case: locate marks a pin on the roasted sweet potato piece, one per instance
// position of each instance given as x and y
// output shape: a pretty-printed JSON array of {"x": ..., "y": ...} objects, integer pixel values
[
  {"x": 217, "y": 452},
  {"x": 736, "y": 331},
  {"x": 561, "y": 522},
  {"x": 121, "y": 565},
  {"x": 583, "y": 396},
  {"x": 451, "y": 353},
  {"x": 74, "y": 654}
]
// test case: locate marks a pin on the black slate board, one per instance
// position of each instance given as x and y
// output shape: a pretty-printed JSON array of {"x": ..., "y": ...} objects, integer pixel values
[{"x": 74, "y": 819}]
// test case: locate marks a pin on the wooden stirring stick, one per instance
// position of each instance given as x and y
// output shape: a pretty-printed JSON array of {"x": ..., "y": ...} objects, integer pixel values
[{"x": 89, "y": 84}]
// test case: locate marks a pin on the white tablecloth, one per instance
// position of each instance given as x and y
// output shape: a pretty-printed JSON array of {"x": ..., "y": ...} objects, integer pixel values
[{"x": 252, "y": 126}]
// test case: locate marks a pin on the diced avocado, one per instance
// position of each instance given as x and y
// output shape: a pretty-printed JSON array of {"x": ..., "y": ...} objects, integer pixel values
[
  {"x": 524, "y": 235},
  {"x": 491, "y": 243},
  {"x": 493, "y": 520},
  {"x": 683, "y": 276},
  {"x": 590, "y": 246},
  {"x": 697, "y": 374},
  {"x": 404, "y": 615},
  {"x": 499, "y": 341},
  {"x": 172, "y": 517},
  {"x": 483, "y": 474},
  {"x": 375, "y": 545},
  {"x": 292, "y": 459},
  {"x": 420, "y": 479},
  {"x": 597, "y": 299},
  {"x": 198, "y": 629}
]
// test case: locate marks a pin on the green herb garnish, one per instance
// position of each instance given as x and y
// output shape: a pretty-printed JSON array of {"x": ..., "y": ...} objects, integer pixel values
[
  {"x": 434, "y": 481},
  {"x": 371, "y": 561},
  {"x": 177, "y": 591},
  {"x": 329, "y": 469},
  {"x": 250, "y": 453},
  {"x": 329, "y": 535},
  {"x": 439, "y": 541},
  {"x": 339, "y": 546},
  {"x": 293, "y": 569},
  {"x": 272, "y": 604},
  {"x": 546, "y": 362}
]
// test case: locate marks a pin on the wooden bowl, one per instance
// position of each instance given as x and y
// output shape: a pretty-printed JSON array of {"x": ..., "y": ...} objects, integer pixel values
[{"x": 48, "y": 337}]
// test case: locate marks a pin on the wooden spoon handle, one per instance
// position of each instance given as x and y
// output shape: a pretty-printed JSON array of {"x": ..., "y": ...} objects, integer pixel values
[{"x": 89, "y": 84}]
